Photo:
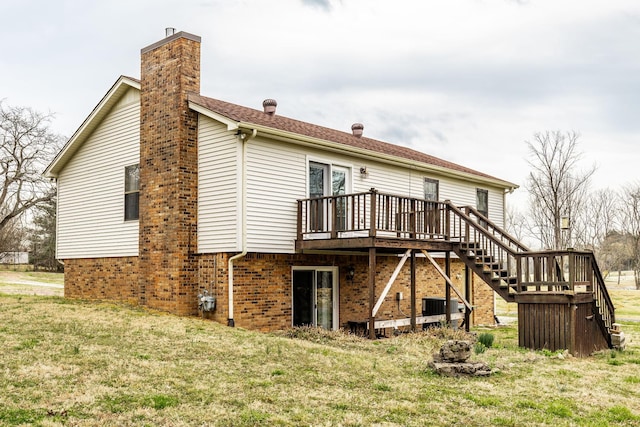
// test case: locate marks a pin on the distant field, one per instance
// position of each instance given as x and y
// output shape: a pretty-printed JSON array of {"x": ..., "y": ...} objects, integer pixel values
[{"x": 31, "y": 283}]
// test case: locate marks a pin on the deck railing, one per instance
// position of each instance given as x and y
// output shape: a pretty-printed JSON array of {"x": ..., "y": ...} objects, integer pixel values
[
  {"x": 559, "y": 271},
  {"x": 371, "y": 214},
  {"x": 489, "y": 241}
]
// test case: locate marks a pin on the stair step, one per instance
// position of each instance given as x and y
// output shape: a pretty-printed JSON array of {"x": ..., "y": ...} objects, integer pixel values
[
  {"x": 505, "y": 282},
  {"x": 475, "y": 252},
  {"x": 492, "y": 267},
  {"x": 469, "y": 244}
]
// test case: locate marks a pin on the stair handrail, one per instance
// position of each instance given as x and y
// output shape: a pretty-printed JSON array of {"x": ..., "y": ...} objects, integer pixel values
[
  {"x": 469, "y": 221},
  {"x": 605, "y": 308},
  {"x": 504, "y": 235},
  {"x": 607, "y": 317}
]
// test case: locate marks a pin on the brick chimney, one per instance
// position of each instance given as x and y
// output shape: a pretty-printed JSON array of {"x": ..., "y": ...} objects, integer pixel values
[{"x": 170, "y": 69}]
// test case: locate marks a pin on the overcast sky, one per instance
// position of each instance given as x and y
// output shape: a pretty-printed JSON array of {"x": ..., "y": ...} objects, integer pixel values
[{"x": 467, "y": 80}]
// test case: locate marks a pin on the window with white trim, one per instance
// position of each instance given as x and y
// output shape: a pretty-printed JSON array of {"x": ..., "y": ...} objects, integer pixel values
[
  {"x": 131, "y": 192},
  {"x": 431, "y": 189}
]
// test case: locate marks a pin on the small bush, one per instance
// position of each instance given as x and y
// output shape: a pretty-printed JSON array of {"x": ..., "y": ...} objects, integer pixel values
[
  {"x": 486, "y": 339},
  {"x": 479, "y": 348}
]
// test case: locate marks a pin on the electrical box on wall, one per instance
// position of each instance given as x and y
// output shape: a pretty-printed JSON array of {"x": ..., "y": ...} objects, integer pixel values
[{"x": 399, "y": 296}]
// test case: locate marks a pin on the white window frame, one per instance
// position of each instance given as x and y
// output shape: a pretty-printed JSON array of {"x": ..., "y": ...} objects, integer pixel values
[{"x": 128, "y": 192}]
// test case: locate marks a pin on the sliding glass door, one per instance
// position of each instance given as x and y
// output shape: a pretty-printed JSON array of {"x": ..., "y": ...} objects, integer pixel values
[{"x": 315, "y": 297}]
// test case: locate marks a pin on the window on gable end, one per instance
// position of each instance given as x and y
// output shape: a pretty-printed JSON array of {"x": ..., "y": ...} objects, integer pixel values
[{"x": 131, "y": 192}]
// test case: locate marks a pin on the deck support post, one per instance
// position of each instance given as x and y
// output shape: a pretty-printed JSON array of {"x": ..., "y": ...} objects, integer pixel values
[
  {"x": 372, "y": 292},
  {"x": 447, "y": 289},
  {"x": 467, "y": 295},
  {"x": 442, "y": 273},
  {"x": 413, "y": 291}
]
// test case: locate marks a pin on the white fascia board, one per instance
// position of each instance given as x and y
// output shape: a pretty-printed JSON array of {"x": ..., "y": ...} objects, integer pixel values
[
  {"x": 231, "y": 124},
  {"x": 90, "y": 123}
]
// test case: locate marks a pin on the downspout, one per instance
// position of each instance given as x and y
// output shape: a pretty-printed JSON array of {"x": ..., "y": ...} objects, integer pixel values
[{"x": 245, "y": 139}]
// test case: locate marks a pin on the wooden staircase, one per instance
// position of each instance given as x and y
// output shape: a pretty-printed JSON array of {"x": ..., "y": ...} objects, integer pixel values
[
  {"x": 489, "y": 269},
  {"x": 555, "y": 290}
]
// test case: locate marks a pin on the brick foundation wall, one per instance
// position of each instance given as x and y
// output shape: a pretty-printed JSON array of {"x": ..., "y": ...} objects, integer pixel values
[
  {"x": 484, "y": 310},
  {"x": 111, "y": 279},
  {"x": 263, "y": 288},
  {"x": 170, "y": 69}
]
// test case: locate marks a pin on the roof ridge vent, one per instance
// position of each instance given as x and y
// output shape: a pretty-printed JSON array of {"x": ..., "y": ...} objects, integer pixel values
[
  {"x": 357, "y": 129},
  {"x": 269, "y": 106}
]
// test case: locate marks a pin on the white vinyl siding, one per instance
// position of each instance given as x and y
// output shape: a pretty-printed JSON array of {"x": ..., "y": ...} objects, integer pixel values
[
  {"x": 219, "y": 187},
  {"x": 276, "y": 178},
  {"x": 276, "y": 174},
  {"x": 91, "y": 188},
  {"x": 384, "y": 178}
]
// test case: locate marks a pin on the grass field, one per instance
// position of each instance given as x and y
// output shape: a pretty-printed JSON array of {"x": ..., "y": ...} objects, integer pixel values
[{"x": 86, "y": 364}]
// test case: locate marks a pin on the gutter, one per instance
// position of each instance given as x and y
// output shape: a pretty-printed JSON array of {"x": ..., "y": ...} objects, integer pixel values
[{"x": 245, "y": 138}]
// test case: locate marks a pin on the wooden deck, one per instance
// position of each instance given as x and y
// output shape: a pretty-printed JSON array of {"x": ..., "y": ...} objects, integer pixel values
[{"x": 374, "y": 222}]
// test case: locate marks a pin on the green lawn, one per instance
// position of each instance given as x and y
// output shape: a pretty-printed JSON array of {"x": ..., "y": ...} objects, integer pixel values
[{"x": 85, "y": 364}]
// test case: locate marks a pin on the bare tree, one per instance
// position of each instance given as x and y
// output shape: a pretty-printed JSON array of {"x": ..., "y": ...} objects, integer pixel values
[
  {"x": 631, "y": 225},
  {"x": 26, "y": 147},
  {"x": 615, "y": 253},
  {"x": 597, "y": 220},
  {"x": 515, "y": 223},
  {"x": 12, "y": 237},
  {"x": 556, "y": 187}
]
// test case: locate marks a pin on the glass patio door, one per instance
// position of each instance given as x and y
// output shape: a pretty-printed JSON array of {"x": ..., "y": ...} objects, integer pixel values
[
  {"x": 328, "y": 180},
  {"x": 315, "y": 297}
]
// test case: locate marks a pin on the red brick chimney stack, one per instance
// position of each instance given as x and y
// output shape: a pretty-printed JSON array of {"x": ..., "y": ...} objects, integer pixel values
[{"x": 170, "y": 69}]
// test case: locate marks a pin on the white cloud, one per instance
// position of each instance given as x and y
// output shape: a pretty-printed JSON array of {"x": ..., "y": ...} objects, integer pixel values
[{"x": 468, "y": 81}]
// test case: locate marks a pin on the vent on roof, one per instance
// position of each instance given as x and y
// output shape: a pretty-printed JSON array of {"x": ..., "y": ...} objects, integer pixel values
[
  {"x": 269, "y": 106},
  {"x": 169, "y": 31},
  {"x": 357, "y": 129}
]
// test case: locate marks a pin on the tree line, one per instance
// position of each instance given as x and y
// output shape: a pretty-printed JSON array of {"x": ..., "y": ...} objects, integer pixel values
[
  {"x": 563, "y": 212},
  {"x": 27, "y": 198}
]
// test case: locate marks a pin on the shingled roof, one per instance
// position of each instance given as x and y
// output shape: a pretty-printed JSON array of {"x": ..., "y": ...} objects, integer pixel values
[
  {"x": 238, "y": 113},
  {"x": 249, "y": 116}
]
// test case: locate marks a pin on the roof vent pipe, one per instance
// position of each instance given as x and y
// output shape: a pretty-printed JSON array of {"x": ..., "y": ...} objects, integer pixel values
[
  {"x": 357, "y": 129},
  {"x": 169, "y": 31},
  {"x": 269, "y": 106}
]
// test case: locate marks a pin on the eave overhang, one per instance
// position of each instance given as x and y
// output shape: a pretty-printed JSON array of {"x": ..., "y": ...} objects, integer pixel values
[{"x": 295, "y": 138}]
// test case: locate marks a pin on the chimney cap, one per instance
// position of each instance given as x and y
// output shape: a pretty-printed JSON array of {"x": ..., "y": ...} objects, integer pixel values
[
  {"x": 269, "y": 106},
  {"x": 357, "y": 129}
]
